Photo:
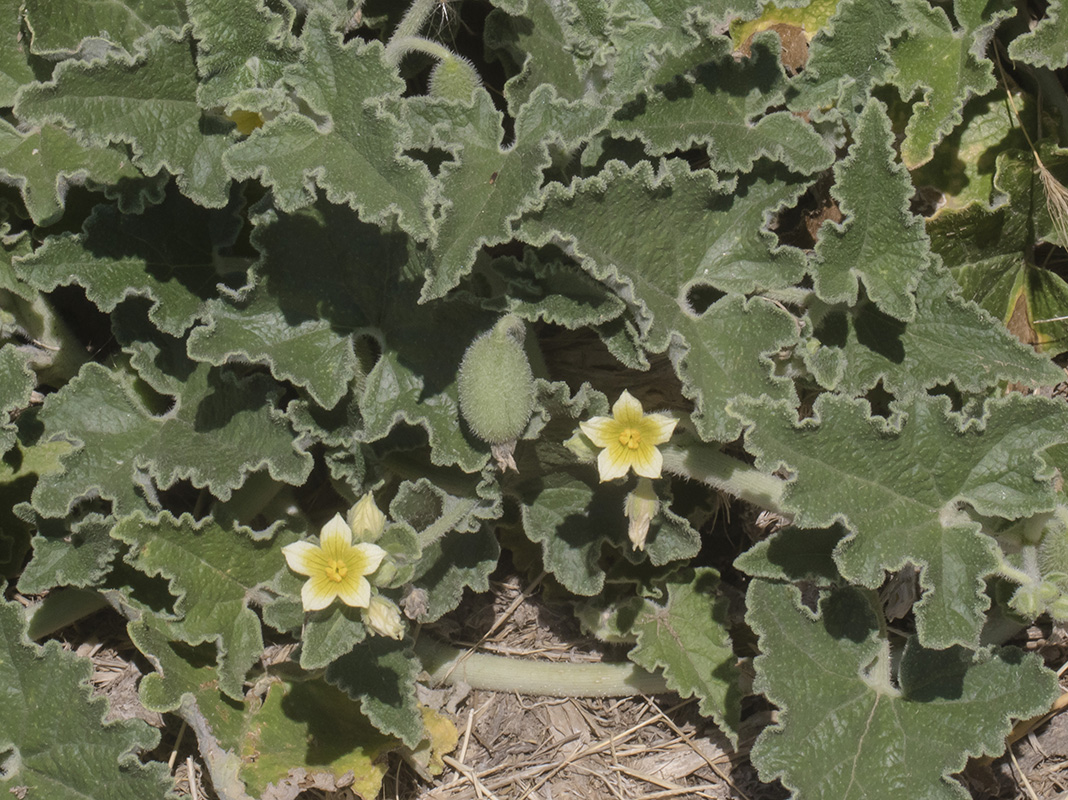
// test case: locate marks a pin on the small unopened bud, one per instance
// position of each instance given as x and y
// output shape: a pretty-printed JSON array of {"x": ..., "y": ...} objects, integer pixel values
[
  {"x": 640, "y": 507},
  {"x": 383, "y": 617},
  {"x": 365, "y": 520}
]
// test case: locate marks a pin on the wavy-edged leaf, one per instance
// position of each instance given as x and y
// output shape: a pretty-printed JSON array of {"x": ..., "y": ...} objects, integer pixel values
[
  {"x": 881, "y": 243},
  {"x": 848, "y": 730},
  {"x": 242, "y": 49},
  {"x": 897, "y": 488},
  {"x": 487, "y": 187},
  {"x": 62, "y": 28},
  {"x": 51, "y": 732},
  {"x": 723, "y": 104},
  {"x": 147, "y": 101},
  {"x": 950, "y": 340},
  {"x": 68, "y": 553},
  {"x": 688, "y": 638},
  {"x": 45, "y": 163},
  {"x": 351, "y": 149},
  {"x": 847, "y": 59},
  {"x": 990, "y": 249},
  {"x": 326, "y": 280},
  {"x": 213, "y": 573},
  {"x": 380, "y": 675},
  {"x": 947, "y": 63},
  {"x": 220, "y": 429},
  {"x": 664, "y": 239},
  {"x": 15, "y": 69},
  {"x": 1046, "y": 45},
  {"x": 166, "y": 254},
  {"x": 17, "y": 382}
]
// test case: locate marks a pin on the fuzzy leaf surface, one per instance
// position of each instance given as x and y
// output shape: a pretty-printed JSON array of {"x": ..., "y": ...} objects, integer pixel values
[
  {"x": 14, "y": 67},
  {"x": 688, "y": 638},
  {"x": 326, "y": 279},
  {"x": 1047, "y": 44},
  {"x": 242, "y": 49},
  {"x": 990, "y": 250},
  {"x": 353, "y": 152},
  {"x": 945, "y": 62},
  {"x": 61, "y": 27},
  {"x": 165, "y": 254},
  {"x": 213, "y": 573},
  {"x": 897, "y": 487},
  {"x": 16, "y": 384},
  {"x": 847, "y": 58},
  {"x": 44, "y": 164},
  {"x": 488, "y": 187},
  {"x": 881, "y": 243},
  {"x": 724, "y": 104},
  {"x": 52, "y": 727},
  {"x": 149, "y": 102},
  {"x": 950, "y": 340},
  {"x": 663, "y": 236},
  {"x": 220, "y": 429},
  {"x": 845, "y": 732},
  {"x": 380, "y": 675}
]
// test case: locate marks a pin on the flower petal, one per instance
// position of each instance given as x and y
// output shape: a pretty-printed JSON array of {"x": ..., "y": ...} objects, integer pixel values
[
  {"x": 657, "y": 428},
  {"x": 366, "y": 520},
  {"x": 627, "y": 411},
  {"x": 613, "y": 462},
  {"x": 354, "y": 591},
  {"x": 335, "y": 537},
  {"x": 364, "y": 558},
  {"x": 318, "y": 592},
  {"x": 647, "y": 460},
  {"x": 602, "y": 431},
  {"x": 305, "y": 558}
]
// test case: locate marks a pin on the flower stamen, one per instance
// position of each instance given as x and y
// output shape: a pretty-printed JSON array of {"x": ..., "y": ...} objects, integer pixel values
[{"x": 631, "y": 438}]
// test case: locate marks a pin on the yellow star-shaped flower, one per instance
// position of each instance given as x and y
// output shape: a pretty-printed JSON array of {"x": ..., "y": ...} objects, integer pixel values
[
  {"x": 629, "y": 438},
  {"x": 335, "y": 567}
]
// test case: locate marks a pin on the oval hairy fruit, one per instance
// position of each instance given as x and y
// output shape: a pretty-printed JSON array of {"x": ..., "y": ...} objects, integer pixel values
[{"x": 496, "y": 384}]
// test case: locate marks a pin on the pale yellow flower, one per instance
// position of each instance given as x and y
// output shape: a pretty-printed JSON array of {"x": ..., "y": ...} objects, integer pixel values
[
  {"x": 629, "y": 438},
  {"x": 335, "y": 567}
]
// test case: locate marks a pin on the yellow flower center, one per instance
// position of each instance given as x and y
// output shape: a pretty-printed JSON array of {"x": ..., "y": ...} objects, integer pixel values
[
  {"x": 631, "y": 438},
  {"x": 337, "y": 570}
]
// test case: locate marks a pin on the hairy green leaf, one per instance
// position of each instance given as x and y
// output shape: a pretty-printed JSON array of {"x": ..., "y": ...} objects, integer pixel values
[
  {"x": 688, "y": 638},
  {"x": 167, "y": 254},
  {"x": 50, "y": 728},
  {"x": 703, "y": 103},
  {"x": 950, "y": 340},
  {"x": 947, "y": 63},
  {"x": 61, "y": 28},
  {"x": 881, "y": 243},
  {"x": 214, "y": 574},
  {"x": 666, "y": 237},
  {"x": 486, "y": 189},
  {"x": 1047, "y": 44},
  {"x": 897, "y": 487},
  {"x": 15, "y": 69},
  {"x": 349, "y": 144},
  {"x": 219, "y": 429},
  {"x": 850, "y": 729},
  {"x": 44, "y": 164}
]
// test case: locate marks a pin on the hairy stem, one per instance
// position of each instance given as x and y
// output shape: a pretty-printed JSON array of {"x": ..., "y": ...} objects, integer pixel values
[
  {"x": 449, "y": 665},
  {"x": 713, "y": 467}
]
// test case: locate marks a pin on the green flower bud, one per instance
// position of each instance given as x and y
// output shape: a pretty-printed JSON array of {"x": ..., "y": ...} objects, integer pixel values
[
  {"x": 496, "y": 384},
  {"x": 454, "y": 78}
]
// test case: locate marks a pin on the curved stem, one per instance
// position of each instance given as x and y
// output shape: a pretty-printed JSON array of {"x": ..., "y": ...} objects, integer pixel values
[
  {"x": 449, "y": 665},
  {"x": 399, "y": 47},
  {"x": 713, "y": 467}
]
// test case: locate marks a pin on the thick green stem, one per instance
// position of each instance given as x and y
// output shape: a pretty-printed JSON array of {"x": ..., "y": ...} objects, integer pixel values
[
  {"x": 448, "y": 665},
  {"x": 418, "y": 13},
  {"x": 712, "y": 466},
  {"x": 399, "y": 47}
]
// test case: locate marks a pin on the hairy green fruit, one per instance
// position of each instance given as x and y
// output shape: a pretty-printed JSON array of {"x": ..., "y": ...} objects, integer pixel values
[{"x": 496, "y": 384}]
